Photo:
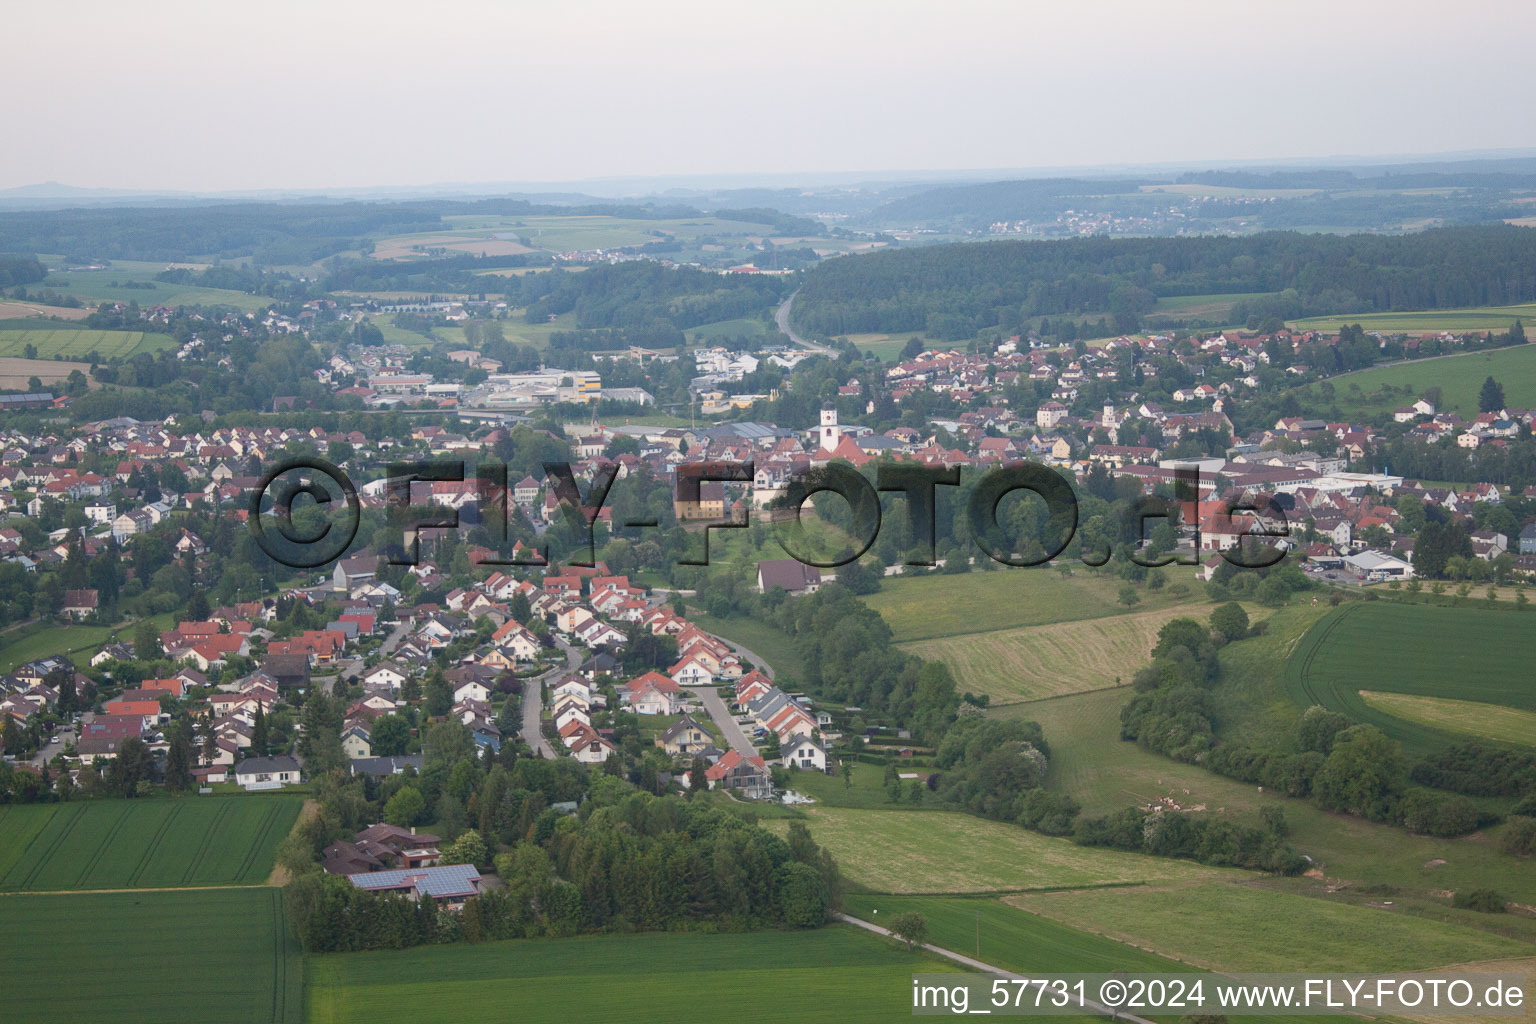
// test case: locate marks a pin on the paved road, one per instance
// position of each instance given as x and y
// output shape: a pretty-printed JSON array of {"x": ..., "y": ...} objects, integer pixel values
[
  {"x": 974, "y": 964},
  {"x": 782, "y": 318},
  {"x": 735, "y": 737},
  {"x": 533, "y": 700}
]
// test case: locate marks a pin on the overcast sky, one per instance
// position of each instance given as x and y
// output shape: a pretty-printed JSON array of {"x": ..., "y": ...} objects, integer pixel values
[{"x": 325, "y": 94}]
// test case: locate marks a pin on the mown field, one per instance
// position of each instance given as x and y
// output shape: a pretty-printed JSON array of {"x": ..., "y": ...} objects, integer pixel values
[
  {"x": 74, "y": 342},
  {"x": 97, "y": 286},
  {"x": 1468, "y": 717},
  {"x": 1473, "y": 318},
  {"x": 836, "y": 973},
  {"x": 142, "y": 844},
  {"x": 1459, "y": 378},
  {"x": 934, "y": 605},
  {"x": 916, "y": 852},
  {"x": 150, "y": 958},
  {"x": 1466, "y": 654},
  {"x": 1046, "y": 661},
  {"x": 1247, "y": 927}
]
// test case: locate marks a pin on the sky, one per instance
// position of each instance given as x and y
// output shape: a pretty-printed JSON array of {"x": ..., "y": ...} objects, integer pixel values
[{"x": 198, "y": 96}]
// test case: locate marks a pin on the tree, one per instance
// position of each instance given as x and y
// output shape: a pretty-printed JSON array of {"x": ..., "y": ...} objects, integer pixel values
[
  {"x": 130, "y": 767},
  {"x": 469, "y": 848},
  {"x": 146, "y": 640},
  {"x": 197, "y": 606},
  {"x": 406, "y": 807},
  {"x": 1491, "y": 397},
  {"x": 1230, "y": 621},
  {"x": 260, "y": 742},
  {"x": 391, "y": 735},
  {"x": 178, "y": 760},
  {"x": 845, "y": 768},
  {"x": 1364, "y": 771},
  {"x": 911, "y": 928},
  {"x": 439, "y": 696},
  {"x": 1128, "y": 595}
]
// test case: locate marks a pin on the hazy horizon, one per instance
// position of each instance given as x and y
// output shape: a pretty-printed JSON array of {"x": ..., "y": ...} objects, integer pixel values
[{"x": 177, "y": 96}]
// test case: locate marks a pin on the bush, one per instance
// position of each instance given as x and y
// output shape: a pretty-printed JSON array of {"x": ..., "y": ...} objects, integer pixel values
[
  {"x": 1484, "y": 901},
  {"x": 1436, "y": 814},
  {"x": 1519, "y": 837}
]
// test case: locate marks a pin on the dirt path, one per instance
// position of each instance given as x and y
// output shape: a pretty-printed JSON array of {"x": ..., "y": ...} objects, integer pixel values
[{"x": 307, "y": 813}]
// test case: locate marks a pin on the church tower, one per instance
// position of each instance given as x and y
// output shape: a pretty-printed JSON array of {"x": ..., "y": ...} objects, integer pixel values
[{"x": 831, "y": 433}]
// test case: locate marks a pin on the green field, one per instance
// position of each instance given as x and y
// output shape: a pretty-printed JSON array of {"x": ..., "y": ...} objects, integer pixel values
[
  {"x": 1046, "y": 661},
  {"x": 23, "y": 646},
  {"x": 1210, "y": 308},
  {"x": 763, "y": 639},
  {"x": 1468, "y": 717},
  {"x": 1462, "y": 653},
  {"x": 1247, "y": 927},
  {"x": 1459, "y": 378},
  {"x": 935, "y": 605},
  {"x": 74, "y": 343},
  {"x": 142, "y": 844},
  {"x": 97, "y": 286},
  {"x": 1090, "y": 762},
  {"x": 837, "y": 973},
  {"x": 1457, "y": 321},
  {"x": 150, "y": 957},
  {"x": 916, "y": 852}
]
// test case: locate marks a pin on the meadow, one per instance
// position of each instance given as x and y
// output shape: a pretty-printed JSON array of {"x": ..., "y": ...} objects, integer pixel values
[
  {"x": 834, "y": 973},
  {"x": 142, "y": 844},
  {"x": 934, "y": 605},
  {"x": 96, "y": 286},
  {"x": 1093, "y": 765},
  {"x": 1459, "y": 378},
  {"x": 1047, "y": 661},
  {"x": 1251, "y": 927},
  {"x": 924, "y": 851},
  {"x": 76, "y": 342},
  {"x": 1457, "y": 321},
  {"x": 1468, "y": 717},
  {"x": 1467, "y": 654},
  {"x": 151, "y": 957}
]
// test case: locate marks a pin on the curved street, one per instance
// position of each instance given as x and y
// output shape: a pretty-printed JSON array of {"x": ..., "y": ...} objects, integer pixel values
[{"x": 781, "y": 317}]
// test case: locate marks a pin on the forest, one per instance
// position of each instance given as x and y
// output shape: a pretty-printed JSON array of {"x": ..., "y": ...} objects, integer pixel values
[{"x": 955, "y": 291}]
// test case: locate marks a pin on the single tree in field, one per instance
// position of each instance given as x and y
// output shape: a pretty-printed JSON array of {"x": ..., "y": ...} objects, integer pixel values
[
  {"x": 259, "y": 739},
  {"x": 846, "y": 768},
  {"x": 911, "y": 928},
  {"x": 1230, "y": 621},
  {"x": 1491, "y": 397}
]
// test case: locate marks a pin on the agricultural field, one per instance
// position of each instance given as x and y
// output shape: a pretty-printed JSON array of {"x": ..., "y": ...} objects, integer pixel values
[
  {"x": 1047, "y": 661},
  {"x": 1467, "y": 654},
  {"x": 96, "y": 286},
  {"x": 1214, "y": 926},
  {"x": 933, "y": 605},
  {"x": 1457, "y": 321},
  {"x": 1092, "y": 764},
  {"x": 1210, "y": 308},
  {"x": 917, "y": 851},
  {"x": 764, "y": 639},
  {"x": 142, "y": 844},
  {"x": 149, "y": 957},
  {"x": 1468, "y": 717},
  {"x": 75, "y": 342},
  {"x": 31, "y": 310},
  {"x": 885, "y": 347},
  {"x": 844, "y": 973},
  {"x": 1459, "y": 378},
  {"x": 708, "y": 334},
  {"x": 16, "y": 373}
]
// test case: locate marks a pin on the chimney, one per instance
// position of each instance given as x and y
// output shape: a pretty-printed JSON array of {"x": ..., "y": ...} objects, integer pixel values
[{"x": 413, "y": 830}]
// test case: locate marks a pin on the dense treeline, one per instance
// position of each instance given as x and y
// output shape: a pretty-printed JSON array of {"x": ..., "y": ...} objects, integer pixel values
[
  {"x": 638, "y": 293},
  {"x": 999, "y": 284},
  {"x": 627, "y": 861},
  {"x": 19, "y": 270},
  {"x": 286, "y": 232}
]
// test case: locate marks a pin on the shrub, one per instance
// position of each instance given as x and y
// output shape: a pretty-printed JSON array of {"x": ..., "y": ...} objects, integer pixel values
[
  {"x": 1484, "y": 901},
  {"x": 1519, "y": 837}
]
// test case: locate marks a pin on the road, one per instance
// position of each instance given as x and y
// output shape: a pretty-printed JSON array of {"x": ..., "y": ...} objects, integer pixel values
[
  {"x": 735, "y": 738},
  {"x": 782, "y": 318},
  {"x": 350, "y": 670},
  {"x": 533, "y": 701},
  {"x": 48, "y": 751},
  {"x": 986, "y": 968}
]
